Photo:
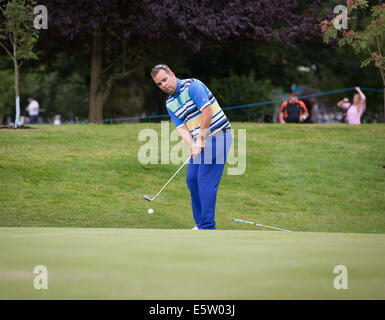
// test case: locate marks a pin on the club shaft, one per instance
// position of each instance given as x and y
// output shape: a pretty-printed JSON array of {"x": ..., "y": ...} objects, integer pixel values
[
  {"x": 260, "y": 225},
  {"x": 184, "y": 163},
  {"x": 263, "y": 225}
]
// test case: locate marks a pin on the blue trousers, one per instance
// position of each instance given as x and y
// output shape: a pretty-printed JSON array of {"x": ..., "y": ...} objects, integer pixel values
[{"x": 203, "y": 175}]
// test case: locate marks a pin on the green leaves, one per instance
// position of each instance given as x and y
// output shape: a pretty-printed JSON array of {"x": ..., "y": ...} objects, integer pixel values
[
  {"x": 366, "y": 62},
  {"x": 18, "y": 33},
  {"x": 367, "y": 37},
  {"x": 18, "y": 26}
]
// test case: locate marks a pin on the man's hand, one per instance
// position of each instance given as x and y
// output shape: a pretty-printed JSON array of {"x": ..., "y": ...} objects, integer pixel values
[
  {"x": 197, "y": 147},
  {"x": 304, "y": 117}
]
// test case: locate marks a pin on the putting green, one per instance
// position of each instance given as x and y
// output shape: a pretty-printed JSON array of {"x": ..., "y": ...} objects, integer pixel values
[{"x": 85, "y": 263}]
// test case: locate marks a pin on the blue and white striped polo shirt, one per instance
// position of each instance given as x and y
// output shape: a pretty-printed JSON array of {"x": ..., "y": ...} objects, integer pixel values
[{"x": 185, "y": 107}]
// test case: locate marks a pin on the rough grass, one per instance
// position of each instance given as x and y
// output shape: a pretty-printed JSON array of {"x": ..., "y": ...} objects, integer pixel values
[{"x": 300, "y": 177}]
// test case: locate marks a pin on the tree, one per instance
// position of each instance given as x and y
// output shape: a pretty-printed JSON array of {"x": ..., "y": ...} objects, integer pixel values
[
  {"x": 18, "y": 37},
  {"x": 366, "y": 36},
  {"x": 6, "y": 98},
  {"x": 94, "y": 30},
  {"x": 121, "y": 36}
]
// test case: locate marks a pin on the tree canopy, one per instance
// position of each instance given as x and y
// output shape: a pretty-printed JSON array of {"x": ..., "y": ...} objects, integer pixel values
[
  {"x": 95, "y": 57},
  {"x": 118, "y": 37}
]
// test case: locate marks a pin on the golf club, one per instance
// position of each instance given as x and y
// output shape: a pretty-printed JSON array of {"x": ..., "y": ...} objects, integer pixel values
[
  {"x": 148, "y": 198},
  {"x": 152, "y": 199},
  {"x": 260, "y": 225}
]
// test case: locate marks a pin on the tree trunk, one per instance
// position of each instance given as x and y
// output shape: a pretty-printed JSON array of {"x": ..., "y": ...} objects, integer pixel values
[
  {"x": 383, "y": 84},
  {"x": 382, "y": 71},
  {"x": 99, "y": 103},
  {"x": 17, "y": 94},
  {"x": 96, "y": 100}
]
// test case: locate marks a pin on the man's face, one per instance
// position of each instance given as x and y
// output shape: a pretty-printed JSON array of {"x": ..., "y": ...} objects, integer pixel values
[
  {"x": 30, "y": 100},
  {"x": 166, "y": 81}
]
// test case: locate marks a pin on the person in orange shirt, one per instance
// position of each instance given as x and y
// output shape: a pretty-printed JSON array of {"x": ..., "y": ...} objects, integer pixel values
[{"x": 293, "y": 110}]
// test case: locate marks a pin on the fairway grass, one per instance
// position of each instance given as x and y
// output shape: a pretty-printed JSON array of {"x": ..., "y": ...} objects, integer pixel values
[{"x": 104, "y": 263}]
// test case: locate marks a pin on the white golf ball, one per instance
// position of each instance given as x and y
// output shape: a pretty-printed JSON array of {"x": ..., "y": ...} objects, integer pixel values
[{"x": 150, "y": 211}]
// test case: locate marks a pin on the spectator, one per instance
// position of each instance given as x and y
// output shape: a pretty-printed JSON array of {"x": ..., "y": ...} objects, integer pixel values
[
  {"x": 9, "y": 121},
  {"x": 57, "y": 119},
  {"x": 33, "y": 109},
  {"x": 293, "y": 110},
  {"x": 354, "y": 111}
]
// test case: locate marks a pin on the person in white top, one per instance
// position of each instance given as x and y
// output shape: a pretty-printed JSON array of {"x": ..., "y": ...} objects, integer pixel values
[{"x": 33, "y": 109}]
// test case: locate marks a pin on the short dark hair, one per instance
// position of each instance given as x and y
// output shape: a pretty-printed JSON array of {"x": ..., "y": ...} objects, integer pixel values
[{"x": 155, "y": 70}]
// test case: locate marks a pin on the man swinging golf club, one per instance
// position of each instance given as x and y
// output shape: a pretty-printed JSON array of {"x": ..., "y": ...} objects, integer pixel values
[{"x": 202, "y": 124}]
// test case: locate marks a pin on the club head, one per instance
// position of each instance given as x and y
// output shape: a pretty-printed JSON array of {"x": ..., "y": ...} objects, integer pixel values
[{"x": 147, "y": 198}]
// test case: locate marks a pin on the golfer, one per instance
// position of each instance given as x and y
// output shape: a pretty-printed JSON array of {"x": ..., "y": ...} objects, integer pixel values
[{"x": 202, "y": 124}]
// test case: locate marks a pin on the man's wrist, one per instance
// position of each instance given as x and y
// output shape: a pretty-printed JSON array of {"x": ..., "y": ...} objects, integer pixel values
[{"x": 201, "y": 137}]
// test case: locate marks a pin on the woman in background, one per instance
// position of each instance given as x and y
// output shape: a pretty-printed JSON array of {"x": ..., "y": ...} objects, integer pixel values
[{"x": 354, "y": 110}]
